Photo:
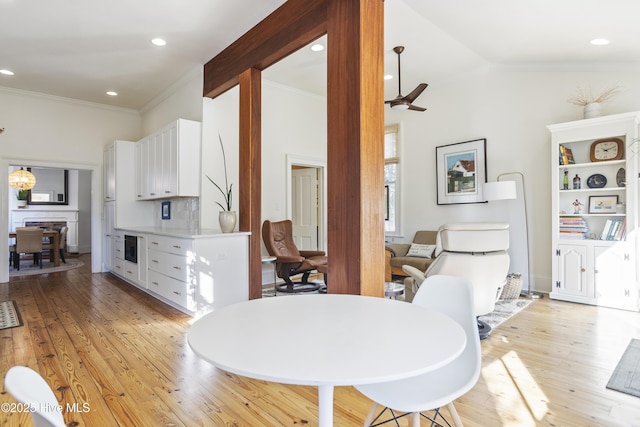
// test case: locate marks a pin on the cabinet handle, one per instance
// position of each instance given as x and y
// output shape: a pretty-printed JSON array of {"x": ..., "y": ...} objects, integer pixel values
[
  {"x": 583, "y": 269},
  {"x": 155, "y": 283},
  {"x": 177, "y": 267},
  {"x": 152, "y": 194},
  {"x": 595, "y": 271},
  {"x": 154, "y": 243},
  {"x": 177, "y": 246},
  {"x": 177, "y": 293},
  {"x": 167, "y": 191},
  {"x": 129, "y": 271},
  {"x": 155, "y": 260},
  {"x": 107, "y": 197},
  {"x": 139, "y": 195}
]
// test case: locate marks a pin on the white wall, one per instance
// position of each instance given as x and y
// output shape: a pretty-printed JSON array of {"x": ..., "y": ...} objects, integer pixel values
[
  {"x": 293, "y": 123},
  {"x": 510, "y": 108},
  {"x": 43, "y": 130}
]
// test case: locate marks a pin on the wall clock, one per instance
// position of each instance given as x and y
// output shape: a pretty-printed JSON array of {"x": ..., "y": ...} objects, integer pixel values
[{"x": 606, "y": 149}]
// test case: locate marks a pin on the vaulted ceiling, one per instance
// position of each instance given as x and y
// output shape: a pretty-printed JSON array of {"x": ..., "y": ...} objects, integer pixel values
[{"x": 79, "y": 49}]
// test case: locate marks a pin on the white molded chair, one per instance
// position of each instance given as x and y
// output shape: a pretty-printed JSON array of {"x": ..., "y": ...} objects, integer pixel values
[
  {"x": 476, "y": 251},
  {"x": 452, "y": 296},
  {"x": 29, "y": 388}
]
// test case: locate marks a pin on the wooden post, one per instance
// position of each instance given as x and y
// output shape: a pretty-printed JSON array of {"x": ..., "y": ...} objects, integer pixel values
[
  {"x": 355, "y": 144},
  {"x": 251, "y": 172}
]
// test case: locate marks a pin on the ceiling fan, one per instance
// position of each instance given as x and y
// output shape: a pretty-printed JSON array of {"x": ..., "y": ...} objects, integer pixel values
[{"x": 406, "y": 102}]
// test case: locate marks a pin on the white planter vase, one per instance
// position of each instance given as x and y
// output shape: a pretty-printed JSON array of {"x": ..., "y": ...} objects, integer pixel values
[
  {"x": 22, "y": 204},
  {"x": 592, "y": 110},
  {"x": 227, "y": 221}
]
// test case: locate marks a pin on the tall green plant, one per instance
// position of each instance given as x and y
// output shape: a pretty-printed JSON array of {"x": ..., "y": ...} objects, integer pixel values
[{"x": 226, "y": 193}]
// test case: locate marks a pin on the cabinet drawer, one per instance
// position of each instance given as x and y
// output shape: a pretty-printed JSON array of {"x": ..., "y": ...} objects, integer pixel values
[
  {"x": 171, "y": 265},
  {"x": 130, "y": 271},
  {"x": 174, "y": 290},
  {"x": 118, "y": 267},
  {"x": 118, "y": 249},
  {"x": 169, "y": 244}
]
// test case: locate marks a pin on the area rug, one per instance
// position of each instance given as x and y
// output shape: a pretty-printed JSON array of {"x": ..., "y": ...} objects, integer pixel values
[
  {"x": 505, "y": 309},
  {"x": 626, "y": 376},
  {"x": 27, "y": 268},
  {"x": 9, "y": 315}
]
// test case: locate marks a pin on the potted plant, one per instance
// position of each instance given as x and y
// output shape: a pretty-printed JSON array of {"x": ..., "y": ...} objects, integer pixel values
[
  {"x": 22, "y": 195},
  {"x": 227, "y": 217},
  {"x": 584, "y": 98}
]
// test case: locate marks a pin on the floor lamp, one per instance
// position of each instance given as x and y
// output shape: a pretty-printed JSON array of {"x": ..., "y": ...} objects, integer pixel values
[{"x": 517, "y": 178}]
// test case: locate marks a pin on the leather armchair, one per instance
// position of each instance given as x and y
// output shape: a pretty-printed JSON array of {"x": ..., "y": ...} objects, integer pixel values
[
  {"x": 476, "y": 251},
  {"x": 278, "y": 240}
]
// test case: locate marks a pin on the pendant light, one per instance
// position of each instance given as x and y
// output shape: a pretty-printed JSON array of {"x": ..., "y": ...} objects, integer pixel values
[{"x": 22, "y": 179}]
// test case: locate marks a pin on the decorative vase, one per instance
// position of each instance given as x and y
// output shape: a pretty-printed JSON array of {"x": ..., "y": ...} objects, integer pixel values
[
  {"x": 227, "y": 221},
  {"x": 592, "y": 110},
  {"x": 22, "y": 204}
]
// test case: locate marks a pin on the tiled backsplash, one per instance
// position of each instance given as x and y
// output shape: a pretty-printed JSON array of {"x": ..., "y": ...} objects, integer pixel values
[{"x": 185, "y": 214}]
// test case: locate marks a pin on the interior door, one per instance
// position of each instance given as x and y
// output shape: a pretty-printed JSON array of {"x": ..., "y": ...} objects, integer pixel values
[{"x": 304, "y": 183}]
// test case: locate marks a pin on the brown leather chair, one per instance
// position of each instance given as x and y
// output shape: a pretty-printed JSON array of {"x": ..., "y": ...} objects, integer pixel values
[
  {"x": 278, "y": 239},
  {"x": 28, "y": 241}
]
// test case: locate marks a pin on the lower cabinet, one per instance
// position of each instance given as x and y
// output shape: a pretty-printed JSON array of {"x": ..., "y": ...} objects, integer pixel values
[
  {"x": 599, "y": 273},
  {"x": 196, "y": 275}
]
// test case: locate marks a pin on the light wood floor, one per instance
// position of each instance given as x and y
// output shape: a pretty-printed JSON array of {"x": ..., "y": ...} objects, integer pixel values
[{"x": 122, "y": 357}]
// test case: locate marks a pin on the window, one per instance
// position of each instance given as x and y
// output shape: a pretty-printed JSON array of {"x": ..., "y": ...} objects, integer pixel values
[{"x": 391, "y": 180}]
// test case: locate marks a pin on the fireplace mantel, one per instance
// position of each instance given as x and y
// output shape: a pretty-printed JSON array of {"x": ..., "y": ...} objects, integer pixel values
[{"x": 21, "y": 216}]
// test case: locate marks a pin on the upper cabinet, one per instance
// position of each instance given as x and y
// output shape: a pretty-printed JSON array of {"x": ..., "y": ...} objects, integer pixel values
[{"x": 168, "y": 162}]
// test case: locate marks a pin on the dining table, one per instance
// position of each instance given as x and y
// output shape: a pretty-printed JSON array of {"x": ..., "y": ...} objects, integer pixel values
[
  {"x": 55, "y": 242},
  {"x": 326, "y": 340}
]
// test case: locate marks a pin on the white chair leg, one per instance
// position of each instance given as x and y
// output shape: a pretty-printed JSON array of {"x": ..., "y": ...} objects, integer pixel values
[
  {"x": 454, "y": 415},
  {"x": 415, "y": 417},
  {"x": 371, "y": 415}
]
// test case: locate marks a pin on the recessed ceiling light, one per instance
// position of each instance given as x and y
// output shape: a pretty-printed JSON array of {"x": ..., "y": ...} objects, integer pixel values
[
  {"x": 112, "y": 93},
  {"x": 158, "y": 42},
  {"x": 317, "y": 47},
  {"x": 388, "y": 76},
  {"x": 6, "y": 72},
  {"x": 599, "y": 42}
]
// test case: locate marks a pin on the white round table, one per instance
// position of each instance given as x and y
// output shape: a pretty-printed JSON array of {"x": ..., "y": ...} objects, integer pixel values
[{"x": 326, "y": 341}]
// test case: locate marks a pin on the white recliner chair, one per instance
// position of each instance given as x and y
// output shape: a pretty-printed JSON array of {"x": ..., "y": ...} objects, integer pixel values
[{"x": 476, "y": 251}]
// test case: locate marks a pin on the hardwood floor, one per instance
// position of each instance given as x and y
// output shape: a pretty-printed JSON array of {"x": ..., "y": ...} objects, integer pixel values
[{"x": 122, "y": 358}]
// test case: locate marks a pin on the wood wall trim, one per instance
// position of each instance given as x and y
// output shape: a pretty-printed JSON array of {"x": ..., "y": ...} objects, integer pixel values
[
  {"x": 290, "y": 27},
  {"x": 250, "y": 202}
]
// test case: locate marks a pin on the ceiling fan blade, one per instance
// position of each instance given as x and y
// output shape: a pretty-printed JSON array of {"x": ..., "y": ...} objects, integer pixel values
[
  {"x": 416, "y": 108},
  {"x": 416, "y": 92}
]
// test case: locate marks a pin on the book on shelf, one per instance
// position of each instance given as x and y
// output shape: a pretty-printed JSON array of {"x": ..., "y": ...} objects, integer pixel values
[
  {"x": 566, "y": 156},
  {"x": 573, "y": 227},
  {"x": 613, "y": 229}
]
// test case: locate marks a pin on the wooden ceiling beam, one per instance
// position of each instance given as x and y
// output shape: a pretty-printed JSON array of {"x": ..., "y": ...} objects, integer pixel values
[{"x": 266, "y": 43}]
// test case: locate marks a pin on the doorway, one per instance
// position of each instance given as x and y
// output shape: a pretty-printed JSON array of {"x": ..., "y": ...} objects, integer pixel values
[{"x": 306, "y": 202}]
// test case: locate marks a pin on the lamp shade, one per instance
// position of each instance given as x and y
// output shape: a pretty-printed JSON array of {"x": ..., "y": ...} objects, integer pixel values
[
  {"x": 22, "y": 179},
  {"x": 499, "y": 190}
]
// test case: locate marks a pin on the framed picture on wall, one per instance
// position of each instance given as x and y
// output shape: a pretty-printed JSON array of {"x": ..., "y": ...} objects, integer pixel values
[
  {"x": 166, "y": 210},
  {"x": 461, "y": 169}
]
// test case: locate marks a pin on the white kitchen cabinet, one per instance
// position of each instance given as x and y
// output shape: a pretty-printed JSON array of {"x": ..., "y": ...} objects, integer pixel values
[
  {"x": 169, "y": 162},
  {"x": 595, "y": 247},
  {"x": 196, "y": 274},
  {"x": 121, "y": 207}
]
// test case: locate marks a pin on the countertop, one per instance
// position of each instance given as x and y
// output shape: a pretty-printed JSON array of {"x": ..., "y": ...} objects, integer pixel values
[{"x": 183, "y": 233}]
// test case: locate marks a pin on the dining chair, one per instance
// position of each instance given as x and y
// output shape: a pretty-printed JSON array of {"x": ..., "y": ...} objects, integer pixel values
[
  {"x": 62, "y": 245},
  {"x": 28, "y": 241},
  {"x": 30, "y": 389},
  {"x": 452, "y": 296}
]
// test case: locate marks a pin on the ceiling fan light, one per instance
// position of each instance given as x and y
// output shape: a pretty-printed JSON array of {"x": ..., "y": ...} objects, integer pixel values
[
  {"x": 22, "y": 180},
  {"x": 400, "y": 106}
]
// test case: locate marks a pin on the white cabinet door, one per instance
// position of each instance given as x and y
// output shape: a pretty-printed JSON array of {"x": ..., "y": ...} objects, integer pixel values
[
  {"x": 109, "y": 160},
  {"x": 572, "y": 269},
  {"x": 142, "y": 168},
  {"x": 614, "y": 276}
]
